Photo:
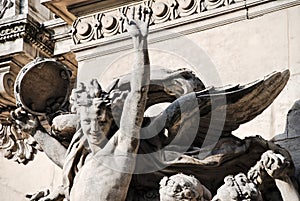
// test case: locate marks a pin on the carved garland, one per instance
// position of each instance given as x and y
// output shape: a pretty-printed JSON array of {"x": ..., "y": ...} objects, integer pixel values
[{"x": 105, "y": 24}]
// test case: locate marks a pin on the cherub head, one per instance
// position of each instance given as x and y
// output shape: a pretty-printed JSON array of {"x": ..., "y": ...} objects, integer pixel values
[
  {"x": 92, "y": 104},
  {"x": 183, "y": 187}
]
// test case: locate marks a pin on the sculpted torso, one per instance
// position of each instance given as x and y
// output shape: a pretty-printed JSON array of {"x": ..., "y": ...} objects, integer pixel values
[{"x": 108, "y": 169}]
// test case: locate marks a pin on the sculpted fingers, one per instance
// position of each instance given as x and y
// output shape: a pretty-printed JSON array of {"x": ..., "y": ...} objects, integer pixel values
[
  {"x": 132, "y": 13},
  {"x": 147, "y": 14},
  {"x": 140, "y": 13},
  {"x": 274, "y": 164},
  {"x": 24, "y": 121}
]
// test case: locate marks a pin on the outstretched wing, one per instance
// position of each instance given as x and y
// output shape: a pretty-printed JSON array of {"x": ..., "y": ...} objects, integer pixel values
[
  {"x": 214, "y": 112},
  {"x": 165, "y": 86}
]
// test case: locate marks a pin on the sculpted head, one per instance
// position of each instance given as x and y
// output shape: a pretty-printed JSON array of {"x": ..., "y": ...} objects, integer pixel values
[
  {"x": 239, "y": 188},
  {"x": 92, "y": 104},
  {"x": 183, "y": 187}
]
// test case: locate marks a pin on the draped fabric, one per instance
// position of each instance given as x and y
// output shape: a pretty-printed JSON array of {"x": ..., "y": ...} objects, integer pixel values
[{"x": 75, "y": 157}]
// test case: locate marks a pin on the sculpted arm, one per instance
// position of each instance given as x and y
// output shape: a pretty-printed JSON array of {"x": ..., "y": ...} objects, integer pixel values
[
  {"x": 52, "y": 147},
  {"x": 30, "y": 124},
  {"x": 134, "y": 106},
  {"x": 117, "y": 158},
  {"x": 115, "y": 162}
]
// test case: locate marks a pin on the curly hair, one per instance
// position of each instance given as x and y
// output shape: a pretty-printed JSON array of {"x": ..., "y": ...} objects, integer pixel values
[{"x": 86, "y": 96}]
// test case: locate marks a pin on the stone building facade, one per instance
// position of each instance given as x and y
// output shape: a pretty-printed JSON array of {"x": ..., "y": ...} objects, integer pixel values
[{"x": 223, "y": 42}]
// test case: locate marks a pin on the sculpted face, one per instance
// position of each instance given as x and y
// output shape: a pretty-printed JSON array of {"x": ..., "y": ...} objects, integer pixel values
[
  {"x": 181, "y": 187},
  {"x": 95, "y": 125}
]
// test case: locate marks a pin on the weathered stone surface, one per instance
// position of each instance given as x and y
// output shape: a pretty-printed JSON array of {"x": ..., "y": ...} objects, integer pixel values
[
  {"x": 238, "y": 187},
  {"x": 294, "y": 38},
  {"x": 292, "y": 135},
  {"x": 292, "y": 145},
  {"x": 183, "y": 187},
  {"x": 293, "y": 121},
  {"x": 236, "y": 48}
]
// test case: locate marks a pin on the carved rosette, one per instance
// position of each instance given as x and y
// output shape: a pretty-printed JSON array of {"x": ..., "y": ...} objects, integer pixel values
[
  {"x": 86, "y": 30},
  {"x": 187, "y": 7},
  {"x": 109, "y": 23},
  {"x": 162, "y": 11},
  {"x": 96, "y": 26}
]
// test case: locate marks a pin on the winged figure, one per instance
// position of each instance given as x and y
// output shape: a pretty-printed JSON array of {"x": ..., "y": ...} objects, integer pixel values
[{"x": 192, "y": 135}]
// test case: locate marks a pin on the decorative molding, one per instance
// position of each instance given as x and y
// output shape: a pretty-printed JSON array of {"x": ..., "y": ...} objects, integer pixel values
[
  {"x": 109, "y": 23},
  {"x": 17, "y": 146},
  {"x": 31, "y": 32},
  {"x": 70, "y": 10},
  {"x": 170, "y": 14},
  {"x": 12, "y": 32},
  {"x": 8, "y": 74},
  {"x": 179, "y": 27}
]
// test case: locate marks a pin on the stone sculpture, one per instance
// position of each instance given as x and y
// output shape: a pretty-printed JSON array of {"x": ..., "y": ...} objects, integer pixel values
[
  {"x": 91, "y": 104},
  {"x": 183, "y": 187},
  {"x": 108, "y": 150},
  {"x": 238, "y": 187},
  {"x": 276, "y": 166}
]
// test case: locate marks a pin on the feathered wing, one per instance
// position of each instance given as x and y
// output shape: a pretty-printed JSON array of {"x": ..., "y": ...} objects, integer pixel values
[{"x": 214, "y": 112}]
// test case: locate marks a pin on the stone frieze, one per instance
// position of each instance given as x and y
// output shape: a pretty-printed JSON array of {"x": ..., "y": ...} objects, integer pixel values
[{"x": 109, "y": 23}]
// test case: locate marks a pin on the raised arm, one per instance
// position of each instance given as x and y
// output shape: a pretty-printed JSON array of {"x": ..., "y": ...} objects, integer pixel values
[
  {"x": 115, "y": 162},
  {"x": 134, "y": 106}
]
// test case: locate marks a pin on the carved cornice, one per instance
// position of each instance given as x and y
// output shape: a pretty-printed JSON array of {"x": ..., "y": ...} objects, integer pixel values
[
  {"x": 70, "y": 10},
  {"x": 12, "y": 32},
  {"x": 108, "y": 23},
  {"x": 89, "y": 32},
  {"x": 30, "y": 31}
]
